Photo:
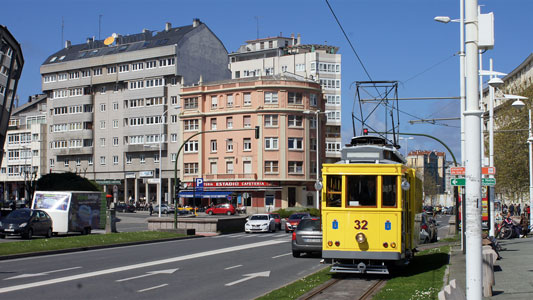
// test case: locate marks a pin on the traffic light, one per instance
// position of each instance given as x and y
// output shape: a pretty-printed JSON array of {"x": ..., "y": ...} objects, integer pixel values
[
  {"x": 178, "y": 187},
  {"x": 365, "y": 131},
  {"x": 256, "y": 132},
  {"x": 156, "y": 172}
]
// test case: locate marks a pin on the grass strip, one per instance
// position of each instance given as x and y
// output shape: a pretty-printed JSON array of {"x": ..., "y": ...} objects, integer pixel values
[
  {"x": 300, "y": 287},
  {"x": 69, "y": 242},
  {"x": 421, "y": 279}
]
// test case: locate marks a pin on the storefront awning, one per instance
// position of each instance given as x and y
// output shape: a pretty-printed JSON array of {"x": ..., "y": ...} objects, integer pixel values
[{"x": 204, "y": 194}]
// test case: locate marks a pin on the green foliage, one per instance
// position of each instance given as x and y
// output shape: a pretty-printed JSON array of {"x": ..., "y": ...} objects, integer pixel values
[
  {"x": 300, "y": 287},
  {"x": 65, "y": 182},
  {"x": 285, "y": 213}
]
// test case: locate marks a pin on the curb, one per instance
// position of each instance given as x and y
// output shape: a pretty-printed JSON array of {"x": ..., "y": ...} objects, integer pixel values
[{"x": 61, "y": 251}]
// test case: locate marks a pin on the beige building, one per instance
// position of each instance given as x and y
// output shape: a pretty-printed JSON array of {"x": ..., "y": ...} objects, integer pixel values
[
  {"x": 275, "y": 170},
  {"x": 283, "y": 55},
  {"x": 112, "y": 105},
  {"x": 429, "y": 163}
]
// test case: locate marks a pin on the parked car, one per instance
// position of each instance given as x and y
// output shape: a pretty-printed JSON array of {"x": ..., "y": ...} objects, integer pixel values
[
  {"x": 123, "y": 207},
  {"x": 277, "y": 218},
  {"x": 226, "y": 209},
  {"x": 307, "y": 237},
  {"x": 165, "y": 209},
  {"x": 260, "y": 223},
  {"x": 294, "y": 219},
  {"x": 428, "y": 229},
  {"x": 26, "y": 223}
]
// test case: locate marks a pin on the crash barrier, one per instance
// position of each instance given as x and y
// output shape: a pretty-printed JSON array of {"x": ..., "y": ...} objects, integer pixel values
[
  {"x": 452, "y": 292},
  {"x": 200, "y": 225},
  {"x": 489, "y": 259}
]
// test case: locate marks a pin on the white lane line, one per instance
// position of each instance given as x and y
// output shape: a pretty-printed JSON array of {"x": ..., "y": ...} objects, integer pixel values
[
  {"x": 229, "y": 268},
  {"x": 152, "y": 288},
  {"x": 168, "y": 272},
  {"x": 40, "y": 274},
  {"x": 137, "y": 266},
  {"x": 281, "y": 255}
]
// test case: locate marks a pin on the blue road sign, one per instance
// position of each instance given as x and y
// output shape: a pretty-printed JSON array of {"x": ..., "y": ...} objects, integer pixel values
[{"x": 199, "y": 184}]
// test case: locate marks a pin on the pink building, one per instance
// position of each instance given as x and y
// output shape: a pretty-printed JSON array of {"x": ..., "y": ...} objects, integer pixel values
[{"x": 275, "y": 170}]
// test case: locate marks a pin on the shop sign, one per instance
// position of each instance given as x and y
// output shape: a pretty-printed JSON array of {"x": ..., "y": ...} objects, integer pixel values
[
  {"x": 130, "y": 175},
  {"x": 238, "y": 184},
  {"x": 143, "y": 174}
]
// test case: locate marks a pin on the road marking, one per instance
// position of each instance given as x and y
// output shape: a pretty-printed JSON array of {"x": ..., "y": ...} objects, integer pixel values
[
  {"x": 229, "y": 268},
  {"x": 40, "y": 274},
  {"x": 281, "y": 255},
  {"x": 249, "y": 276},
  {"x": 169, "y": 271},
  {"x": 139, "y": 265},
  {"x": 152, "y": 288}
]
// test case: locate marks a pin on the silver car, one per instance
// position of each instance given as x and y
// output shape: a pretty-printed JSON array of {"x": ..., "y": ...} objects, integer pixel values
[{"x": 307, "y": 237}]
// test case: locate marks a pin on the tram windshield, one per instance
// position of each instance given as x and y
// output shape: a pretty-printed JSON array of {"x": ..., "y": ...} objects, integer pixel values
[
  {"x": 388, "y": 190},
  {"x": 361, "y": 190}
]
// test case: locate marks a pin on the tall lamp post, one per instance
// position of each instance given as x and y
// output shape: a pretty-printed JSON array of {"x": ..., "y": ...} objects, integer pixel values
[
  {"x": 406, "y": 144},
  {"x": 318, "y": 183}
]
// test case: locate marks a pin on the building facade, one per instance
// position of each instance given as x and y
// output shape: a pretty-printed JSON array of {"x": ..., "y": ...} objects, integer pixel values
[
  {"x": 430, "y": 166},
  {"x": 276, "y": 169},
  {"x": 283, "y": 55},
  {"x": 113, "y": 105},
  {"x": 25, "y": 149}
]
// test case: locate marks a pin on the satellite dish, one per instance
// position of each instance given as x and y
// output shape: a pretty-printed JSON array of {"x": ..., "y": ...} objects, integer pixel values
[{"x": 108, "y": 41}]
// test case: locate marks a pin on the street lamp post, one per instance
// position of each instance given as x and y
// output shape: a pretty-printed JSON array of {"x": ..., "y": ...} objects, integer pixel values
[
  {"x": 406, "y": 144},
  {"x": 530, "y": 142}
]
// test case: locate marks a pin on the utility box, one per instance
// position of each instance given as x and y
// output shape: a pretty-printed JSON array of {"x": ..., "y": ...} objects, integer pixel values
[{"x": 486, "y": 31}]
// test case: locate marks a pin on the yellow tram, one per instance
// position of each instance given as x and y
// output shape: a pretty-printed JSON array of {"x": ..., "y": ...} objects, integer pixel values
[{"x": 369, "y": 203}]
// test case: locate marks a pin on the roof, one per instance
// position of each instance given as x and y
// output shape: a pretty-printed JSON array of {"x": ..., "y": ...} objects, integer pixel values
[
  {"x": 139, "y": 41},
  {"x": 283, "y": 76},
  {"x": 33, "y": 101}
]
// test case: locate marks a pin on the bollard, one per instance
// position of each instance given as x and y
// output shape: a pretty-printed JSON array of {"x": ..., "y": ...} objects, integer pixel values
[
  {"x": 452, "y": 292},
  {"x": 488, "y": 274}
]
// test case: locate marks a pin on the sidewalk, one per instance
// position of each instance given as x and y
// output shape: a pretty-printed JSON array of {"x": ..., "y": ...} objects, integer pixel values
[{"x": 513, "y": 273}]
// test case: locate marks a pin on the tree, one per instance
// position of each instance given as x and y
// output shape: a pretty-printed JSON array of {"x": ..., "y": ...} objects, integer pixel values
[{"x": 65, "y": 182}]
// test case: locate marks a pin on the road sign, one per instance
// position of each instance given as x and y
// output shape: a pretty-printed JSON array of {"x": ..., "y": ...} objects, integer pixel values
[
  {"x": 457, "y": 181},
  {"x": 488, "y": 171},
  {"x": 199, "y": 184},
  {"x": 457, "y": 171},
  {"x": 484, "y": 181},
  {"x": 484, "y": 171}
]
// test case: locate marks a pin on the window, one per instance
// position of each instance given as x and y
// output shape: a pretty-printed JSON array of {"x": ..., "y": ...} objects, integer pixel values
[
  {"x": 333, "y": 191},
  {"x": 174, "y": 137},
  {"x": 190, "y": 168},
  {"x": 85, "y": 73},
  {"x": 90, "y": 160},
  {"x": 111, "y": 69},
  {"x": 73, "y": 75},
  {"x": 128, "y": 159},
  {"x": 173, "y": 157},
  {"x": 102, "y": 124},
  {"x": 190, "y": 125},
  {"x": 67, "y": 162},
  {"x": 271, "y": 120},
  {"x": 214, "y": 102},
  {"x": 78, "y": 161},
  {"x": 283, "y": 68},
  {"x": 52, "y": 163},
  {"x": 271, "y": 167},
  {"x": 294, "y": 98},
  {"x": 156, "y": 158},
  {"x": 361, "y": 190},
  {"x": 102, "y": 107},
  {"x": 123, "y": 68},
  {"x": 174, "y": 100},
  {"x": 388, "y": 190},
  {"x": 102, "y": 142},
  {"x": 115, "y": 105},
  {"x": 115, "y": 123},
  {"x": 333, "y": 115},
  {"x": 229, "y": 145},
  {"x": 296, "y": 167},
  {"x": 115, "y": 159},
  {"x": 213, "y": 124},
  {"x": 313, "y": 99},
  {"x": 333, "y": 99},
  {"x": 247, "y": 121},
  {"x": 97, "y": 72},
  {"x": 115, "y": 141},
  {"x": 191, "y": 147},
  {"x": 247, "y": 99},
  {"x": 173, "y": 119},
  {"x": 213, "y": 146},
  {"x": 190, "y": 103},
  {"x": 229, "y": 122},
  {"x": 247, "y": 144},
  {"x": 102, "y": 160},
  {"x": 271, "y": 98},
  {"x": 295, "y": 144},
  {"x": 229, "y": 167},
  {"x": 271, "y": 143},
  {"x": 300, "y": 67},
  {"x": 142, "y": 159},
  {"x": 295, "y": 121},
  {"x": 229, "y": 100},
  {"x": 151, "y": 64},
  {"x": 137, "y": 66}
]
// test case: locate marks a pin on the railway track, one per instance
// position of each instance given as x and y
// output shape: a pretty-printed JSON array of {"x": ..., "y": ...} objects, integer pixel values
[{"x": 346, "y": 287}]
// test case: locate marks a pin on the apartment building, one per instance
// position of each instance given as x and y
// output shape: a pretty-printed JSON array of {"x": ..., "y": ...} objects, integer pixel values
[
  {"x": 283, "y": 55},
  {"x": 11, "y": 63},
  {"x": 113, "y": 105},
  {"x": 25, "y": 149},
  {"x": 429, "y": 164},
  {"x": 275, "y": 170}
]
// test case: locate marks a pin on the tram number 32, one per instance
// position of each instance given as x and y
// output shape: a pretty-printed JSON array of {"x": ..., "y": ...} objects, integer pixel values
[{"x": 361, "y": 224}]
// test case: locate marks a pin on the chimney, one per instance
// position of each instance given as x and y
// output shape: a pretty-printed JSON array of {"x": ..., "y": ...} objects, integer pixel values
[
  {"x": 67, "y": 44},
  {"x": 298, "y": 39},
  {"x": 292, "y": 37},
  {"x": 168, "y": 25},
  {"x": 88, "y": 40},
  {"x": 145, "y": 30},
  {"x": 195, "y": 22}
]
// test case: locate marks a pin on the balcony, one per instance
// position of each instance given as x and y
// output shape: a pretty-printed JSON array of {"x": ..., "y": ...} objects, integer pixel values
[{"x": 230, "y": 176}]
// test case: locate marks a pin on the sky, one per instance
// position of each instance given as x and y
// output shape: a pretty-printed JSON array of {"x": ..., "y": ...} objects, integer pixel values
[{"x": 396, "y": 40}]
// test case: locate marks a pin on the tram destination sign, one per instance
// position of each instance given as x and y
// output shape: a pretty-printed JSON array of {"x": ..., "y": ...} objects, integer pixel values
[{"x": 462, "y": 181}]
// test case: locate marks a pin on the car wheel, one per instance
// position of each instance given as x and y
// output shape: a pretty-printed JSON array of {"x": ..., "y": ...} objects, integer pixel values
[
  {"x": 210, "y": 212},
  {"x": 295, "y": 253},
  {"x": 49, "y": 233},
  {"x": 29, "y": 235},
  {"x": 2, "y": 236},
  {"x": 228, "y": 213}
]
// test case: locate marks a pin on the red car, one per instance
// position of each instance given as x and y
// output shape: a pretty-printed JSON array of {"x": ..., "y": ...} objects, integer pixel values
[
  {"x": 294, "y": 220},
  {"x": 225, "y": 208},
  {"x": 277, "y": 219}
]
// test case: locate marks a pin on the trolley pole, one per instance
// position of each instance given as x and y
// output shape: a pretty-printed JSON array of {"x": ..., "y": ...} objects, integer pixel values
[{"x": 472, "y": 116}]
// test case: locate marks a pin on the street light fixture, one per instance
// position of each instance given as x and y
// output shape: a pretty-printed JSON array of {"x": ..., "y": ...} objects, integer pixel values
[
  {"x": 318, "y": 183},
  {"x": 406, "y": 144}
]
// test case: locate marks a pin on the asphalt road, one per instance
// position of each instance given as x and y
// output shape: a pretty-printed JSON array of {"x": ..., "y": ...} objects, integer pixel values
[{"x": 235, "y": 266}]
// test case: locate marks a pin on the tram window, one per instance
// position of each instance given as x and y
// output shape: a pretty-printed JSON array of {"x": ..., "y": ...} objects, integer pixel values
[
  {"x": 334, "y": 191},
  {"x": 361, "y": 190},
  {"x": 388, "y": 190}
]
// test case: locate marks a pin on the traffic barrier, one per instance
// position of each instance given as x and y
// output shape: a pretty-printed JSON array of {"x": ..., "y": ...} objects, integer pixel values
[
  {"x": 452, "y": 292},
  {"x": 489, "y": 259}
]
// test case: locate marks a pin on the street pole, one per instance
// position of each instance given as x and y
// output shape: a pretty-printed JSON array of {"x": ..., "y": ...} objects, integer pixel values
[
  {"x": 160, "y": 159},
  {"x": 472, "y": 115},
  {"x": 317, "y": 161},
  {"x": 530, "y": 141},
  {"x": 491, "y": 155}
]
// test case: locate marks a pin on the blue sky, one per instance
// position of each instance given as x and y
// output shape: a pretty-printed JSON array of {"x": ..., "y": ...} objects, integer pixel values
[{"x": 395, "y": 39}]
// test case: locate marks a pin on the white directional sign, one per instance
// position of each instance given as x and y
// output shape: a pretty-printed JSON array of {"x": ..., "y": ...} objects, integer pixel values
[
  {"x": 40, "y": 274},
  {"x": 250, "y": 276}
]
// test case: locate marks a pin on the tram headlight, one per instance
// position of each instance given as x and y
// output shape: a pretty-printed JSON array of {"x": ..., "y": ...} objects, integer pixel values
[
  {"x": 360, "y": 238},
  {"x": 393, "y": 245},
  {"x": 330, "y": 243}
]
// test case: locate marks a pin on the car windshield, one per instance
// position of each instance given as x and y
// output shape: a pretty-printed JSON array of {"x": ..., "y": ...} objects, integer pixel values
[
  {"x": 19, "y": 214},
  {"x": 297, "y": 216},
  {"x": 259, "y": 218},
  {"x": 309, "y": 225}
]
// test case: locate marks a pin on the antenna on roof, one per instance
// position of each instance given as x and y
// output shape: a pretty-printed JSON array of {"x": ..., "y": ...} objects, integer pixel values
[
  {"x": 62, "y": 29},
  {"x": 99, "y": 25},
  {"x": 257, "y": 25}
]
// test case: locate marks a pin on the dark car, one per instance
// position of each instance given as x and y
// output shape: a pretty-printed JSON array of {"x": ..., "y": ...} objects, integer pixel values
[
  {"x": 277, "y": 219},
  {"x": 123, "y": 207},
  {"x": 294, "y": 219},
  {"x": 307, "y": 237},
  {"x": 26, "y": 223}
]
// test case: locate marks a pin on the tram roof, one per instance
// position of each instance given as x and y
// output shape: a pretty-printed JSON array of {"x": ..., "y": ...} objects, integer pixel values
[{"x": 371, "y": 149}]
